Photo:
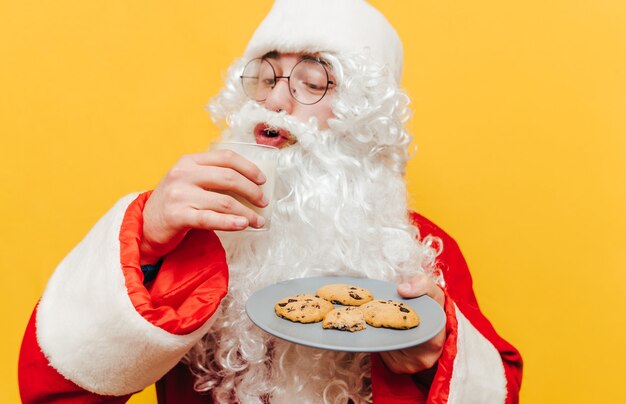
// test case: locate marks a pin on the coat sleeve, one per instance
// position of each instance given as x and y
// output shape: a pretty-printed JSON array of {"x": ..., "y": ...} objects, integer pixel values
[
  {"x": 477, "y": 365},
  {"x": 98, "y": 333}
]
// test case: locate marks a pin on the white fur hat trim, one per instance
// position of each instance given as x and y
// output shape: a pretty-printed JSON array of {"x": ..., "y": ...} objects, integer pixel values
[{"x": 336, "y": 26}]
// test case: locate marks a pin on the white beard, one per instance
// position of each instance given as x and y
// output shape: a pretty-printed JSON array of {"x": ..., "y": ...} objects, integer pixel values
[{"x": 337, "y": 212}]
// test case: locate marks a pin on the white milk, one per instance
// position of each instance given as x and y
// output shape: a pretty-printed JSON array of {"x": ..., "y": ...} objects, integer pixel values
[
  {"x": 269, "y": 169},
  {"x": 265, "y": 158}
]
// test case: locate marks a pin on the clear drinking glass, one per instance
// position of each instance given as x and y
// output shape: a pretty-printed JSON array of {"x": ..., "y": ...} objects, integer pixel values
[{"x": 264, "y": 157}]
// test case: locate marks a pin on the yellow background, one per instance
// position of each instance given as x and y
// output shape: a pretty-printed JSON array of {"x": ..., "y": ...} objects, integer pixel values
[{"x": 520, "y": 116}]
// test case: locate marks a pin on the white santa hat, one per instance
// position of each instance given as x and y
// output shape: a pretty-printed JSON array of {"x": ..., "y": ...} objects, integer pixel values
[{"x": 336, "y": 26}]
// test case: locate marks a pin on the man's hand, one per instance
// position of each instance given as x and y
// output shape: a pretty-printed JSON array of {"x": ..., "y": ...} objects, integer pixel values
[
  {"x": 423, "y": 356},
  {"x": 192, "y": 195}
]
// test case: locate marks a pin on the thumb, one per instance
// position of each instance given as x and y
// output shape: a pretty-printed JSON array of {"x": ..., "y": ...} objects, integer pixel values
[{"x": 414, "y": 287}]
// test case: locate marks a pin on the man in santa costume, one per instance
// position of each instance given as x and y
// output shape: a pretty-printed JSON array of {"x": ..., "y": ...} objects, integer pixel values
[{"x": 155, "y": 293}]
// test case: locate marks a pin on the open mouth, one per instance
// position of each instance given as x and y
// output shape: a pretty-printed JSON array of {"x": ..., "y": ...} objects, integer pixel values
[{"x": 271, "y": 136}]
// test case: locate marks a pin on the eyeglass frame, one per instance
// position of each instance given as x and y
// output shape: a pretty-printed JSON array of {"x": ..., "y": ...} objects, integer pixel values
[{"x": 265, "y": 59}]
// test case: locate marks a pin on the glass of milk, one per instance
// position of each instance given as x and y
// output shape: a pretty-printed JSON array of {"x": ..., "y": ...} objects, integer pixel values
[{"x": 264, "y": 157}]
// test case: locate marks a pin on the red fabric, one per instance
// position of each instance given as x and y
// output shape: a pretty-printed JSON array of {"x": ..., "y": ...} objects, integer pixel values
[
  {"x": 192, "y": 280},
  {"x": 391, "y": 388},
  {"x": 459, "y": 289},
  {"x": 40, "y": 384},
  {"x": 176, "y": 302},
  {"x": 440, "y": 386},
  {"x": 177, "y": 387}
]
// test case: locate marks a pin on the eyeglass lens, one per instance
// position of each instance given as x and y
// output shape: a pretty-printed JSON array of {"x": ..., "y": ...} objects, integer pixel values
[{"x": 308, "y": 80}]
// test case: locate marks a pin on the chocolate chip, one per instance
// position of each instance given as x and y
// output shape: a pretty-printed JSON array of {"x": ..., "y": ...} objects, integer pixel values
[
  {"x": 355, "y": 296},
  {"x": 282, "y": 304},
  {"x": 402, "y": 309}
]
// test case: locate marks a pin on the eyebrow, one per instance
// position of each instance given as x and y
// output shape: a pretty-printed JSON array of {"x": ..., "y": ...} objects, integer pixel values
[
  {"x": 271, "y": 55},
  {"x": 306, "y": 56}
]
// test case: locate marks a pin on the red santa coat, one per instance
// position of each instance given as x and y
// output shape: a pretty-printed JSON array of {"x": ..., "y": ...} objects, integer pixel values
[{"x": 99, "y": 334}]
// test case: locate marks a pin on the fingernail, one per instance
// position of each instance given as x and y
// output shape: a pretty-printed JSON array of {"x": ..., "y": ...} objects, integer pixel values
[
  {"x": 405, "y": 287},
  {"x": 241, "y": 222},
  {"x": 265, "y": 201},
  {"x": 260, "y": 221},
  {"x": 261, "y": 178}
]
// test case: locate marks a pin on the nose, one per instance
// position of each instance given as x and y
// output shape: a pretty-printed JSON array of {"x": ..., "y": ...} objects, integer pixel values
[{"x": 279, "y": 98}]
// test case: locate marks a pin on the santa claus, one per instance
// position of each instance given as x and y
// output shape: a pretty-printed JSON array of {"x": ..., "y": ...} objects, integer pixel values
[{"x": 155, "y": 293}]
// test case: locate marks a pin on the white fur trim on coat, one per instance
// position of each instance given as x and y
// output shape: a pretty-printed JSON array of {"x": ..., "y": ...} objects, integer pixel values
[
  {"x": 478, "y": 373},
  {"x": 88, "y": 328}
]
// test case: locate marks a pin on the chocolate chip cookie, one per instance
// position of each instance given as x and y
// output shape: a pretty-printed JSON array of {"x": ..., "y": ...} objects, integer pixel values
[
  {"x": 390, "y": 314},
  {"x": 304, "y": 308},
  {"x": 348, "y": 318},
  {"x": 347, "y": 295}
]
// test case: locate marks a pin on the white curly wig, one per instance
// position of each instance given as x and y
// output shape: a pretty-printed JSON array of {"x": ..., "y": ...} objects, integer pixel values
[
  {"x": 369, "y": 107},
  {"x": 341, "y": 210}
]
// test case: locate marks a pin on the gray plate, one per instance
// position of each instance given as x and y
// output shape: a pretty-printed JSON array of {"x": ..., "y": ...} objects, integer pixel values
[{"x": 260, "y": 309}]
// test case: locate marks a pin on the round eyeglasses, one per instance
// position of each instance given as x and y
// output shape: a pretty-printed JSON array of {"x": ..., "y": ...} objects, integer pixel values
[{"x": 308, "y": 81}]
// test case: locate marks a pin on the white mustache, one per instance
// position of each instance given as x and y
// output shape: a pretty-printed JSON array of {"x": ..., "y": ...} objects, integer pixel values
[{"x": 242, "y": 123}]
